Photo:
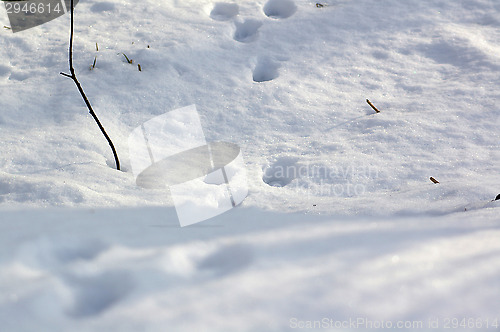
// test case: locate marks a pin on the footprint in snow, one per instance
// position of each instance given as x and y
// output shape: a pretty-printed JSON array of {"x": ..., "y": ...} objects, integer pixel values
[
  {"x": 247, "y": 31},
  {"x": 4, "y": 71},
  {"x": 95, "y": 294},
  {"x": 102, "y": 7},
  {"x": 227, "y": 259},
  {"x": 82, "y": 250},
  {"x": 266, "y": 70},
  {"x": 224, "y": 11},
  {"x": 282, "y": 172},
  {"x": 280, "y": 8}
]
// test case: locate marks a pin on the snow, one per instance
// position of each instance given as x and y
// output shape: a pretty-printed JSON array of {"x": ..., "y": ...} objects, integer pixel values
[
  {"x": 248, "y": 269},
  {"x": 341, "y": 220}
]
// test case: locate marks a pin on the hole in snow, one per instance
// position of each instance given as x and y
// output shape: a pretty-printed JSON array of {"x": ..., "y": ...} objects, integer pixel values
[
  {"x": 4, "y": 71},
  {"x": 228, "y": 259},
  {"x": 280, "y": 8},
  {"x": 112, "y": 164},
  {"x": 224, "y": 11},
  {"x": 102, "y": 7},
  {"x": 95, "y": 295},
  {"x": 247, "y": 31},
  {"x": 281, "y": 172},
  {"x": 266, "y": 70}
]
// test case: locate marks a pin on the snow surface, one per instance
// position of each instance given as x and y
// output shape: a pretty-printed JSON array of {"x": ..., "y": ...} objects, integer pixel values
[{"x": 341, "y": 221}]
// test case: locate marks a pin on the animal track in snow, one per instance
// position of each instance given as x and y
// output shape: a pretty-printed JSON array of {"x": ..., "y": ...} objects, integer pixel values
[
  {"x": 224, "y": 11},
  {"x": 97, "y": 294},
  {"x": 227, "y": 259},
  {"x": 265, "y": 70},
  {"x": 280, "y": 8},
  {"x": 247, "y": 31},
  {"x": 281, "y": 172},
  {"x": 4, "y": 70},
  {"x": 83, "y": 250},
  {"x": 102, "y": 7}
]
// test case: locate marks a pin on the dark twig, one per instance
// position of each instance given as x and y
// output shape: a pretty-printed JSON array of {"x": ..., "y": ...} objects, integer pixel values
[
  {"x": 80, "y": 89},
  {"x": 373, "y": 106},
  {"x": 434, "y": 180},
  {"x": 126, "y": 57}
]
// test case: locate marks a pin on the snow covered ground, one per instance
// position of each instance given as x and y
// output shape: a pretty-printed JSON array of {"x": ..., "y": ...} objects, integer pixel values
[{"x": 350, "y": 228}]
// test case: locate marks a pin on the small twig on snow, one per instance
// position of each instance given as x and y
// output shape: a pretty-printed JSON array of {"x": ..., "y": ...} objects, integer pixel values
[
  {"x": 434, "y": 180},
  {"x": 373, "y": 106},
  {"x": 126, "y": 57}
]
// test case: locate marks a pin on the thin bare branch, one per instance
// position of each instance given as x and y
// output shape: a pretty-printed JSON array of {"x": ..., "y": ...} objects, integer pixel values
[{"x": 84, "y": 96}]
